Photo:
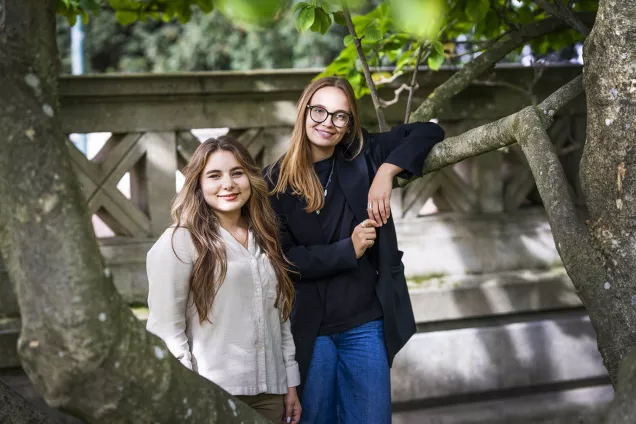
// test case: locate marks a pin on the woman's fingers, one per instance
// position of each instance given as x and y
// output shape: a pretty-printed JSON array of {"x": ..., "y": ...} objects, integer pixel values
[
  {"x": 382, "y": 210},
  {"x": 376, "y": 211},
  {"x": 369, "y": 233},
  {"x": 369, "y": 223},
  {"x": 387, "y": 209}
]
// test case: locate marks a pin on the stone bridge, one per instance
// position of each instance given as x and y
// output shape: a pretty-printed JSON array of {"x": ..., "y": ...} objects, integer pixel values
[{"x": 502, "y": 337}]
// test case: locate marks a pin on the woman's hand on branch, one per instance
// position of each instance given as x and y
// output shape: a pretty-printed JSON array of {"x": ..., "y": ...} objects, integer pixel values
[{"x": 379, "y": 198}]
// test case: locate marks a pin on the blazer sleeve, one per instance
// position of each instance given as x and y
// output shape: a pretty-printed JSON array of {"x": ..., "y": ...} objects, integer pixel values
[
  {"x": 168, "y": 290},
  {"x": 315, "y": 262},
  {"x": 405, "y": 145}
]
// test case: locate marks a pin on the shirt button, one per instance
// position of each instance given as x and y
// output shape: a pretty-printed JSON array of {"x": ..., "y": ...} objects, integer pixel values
[{"x": 253, "y": 261}]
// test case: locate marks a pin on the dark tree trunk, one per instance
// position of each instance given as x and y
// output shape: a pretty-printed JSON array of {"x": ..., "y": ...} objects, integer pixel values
[
  {"x": 80, "y": 345},
  {"x": 608, "y": 177}
]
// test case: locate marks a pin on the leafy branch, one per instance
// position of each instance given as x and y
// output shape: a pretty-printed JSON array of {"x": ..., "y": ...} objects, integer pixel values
[{"x": 365, "y": 68}]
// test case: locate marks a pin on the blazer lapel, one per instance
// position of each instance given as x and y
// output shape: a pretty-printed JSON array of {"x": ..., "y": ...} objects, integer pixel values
[{"x": 353, "y": 176}]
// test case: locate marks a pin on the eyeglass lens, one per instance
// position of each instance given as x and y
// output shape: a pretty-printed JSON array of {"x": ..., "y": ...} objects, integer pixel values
[{"x": 339, "y": 119}]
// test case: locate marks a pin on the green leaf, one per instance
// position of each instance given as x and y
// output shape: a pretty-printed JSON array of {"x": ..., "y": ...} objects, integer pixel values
[
  {"x": 439, "y": 47},
  {"x": 322, "y": 21},
  {"x": 348, "y": 40},
  {"x": 372, "y": 35},
  {"x": 435, "y": 60},
  {"x": 477, "y": 9},
  {"x": 61, "y": 8},
  {"x": 422, "y": 19},
  {"x": 91, "y": 5},
  {"x": 306, "y": 18},
  {"x": 300, "y": 5},
  {"x": 407, "y": 59},
  {"x": 185, "y": 13},
  {"x": 206, "y": 6},
  {"x": 525, "y": 15},
  {"x": 493, "y": 24},
  {"x": 339, "y": 18},
  {"x": 125, "y": 17},
  {"x": 326, "y": 8},
  {"x": 325, "y": 22}
]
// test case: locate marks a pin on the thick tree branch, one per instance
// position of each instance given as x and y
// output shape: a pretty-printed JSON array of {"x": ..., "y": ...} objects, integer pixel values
[
  {"x": 583, "y": 262},
  {"x": 564, "y": 13},
  {"x": 495, "y": 135},
  {"x": 460, "y": 80},
  {"x": 365, "y": 69},
  {"x": 569, "y": 232}
]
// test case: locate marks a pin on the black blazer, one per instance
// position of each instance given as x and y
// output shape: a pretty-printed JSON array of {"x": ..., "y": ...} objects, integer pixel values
[{"x": 303, "y": 241}]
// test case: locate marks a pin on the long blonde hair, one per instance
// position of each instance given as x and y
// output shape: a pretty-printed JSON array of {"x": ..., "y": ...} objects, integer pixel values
[
  {"x": 190, "y": 210},
  {"x": 295, "y": 167}
]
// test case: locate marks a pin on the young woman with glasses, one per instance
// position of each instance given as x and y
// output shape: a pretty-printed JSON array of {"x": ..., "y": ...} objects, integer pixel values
[
  {"x": 220, "y": 295},
  {"x": 331, "y": 192}
]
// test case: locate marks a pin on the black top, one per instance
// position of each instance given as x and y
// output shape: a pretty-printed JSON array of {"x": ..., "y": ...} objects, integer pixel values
[
  {"x": 318, "y": 264},
  {"x": 349, "y": 298}
]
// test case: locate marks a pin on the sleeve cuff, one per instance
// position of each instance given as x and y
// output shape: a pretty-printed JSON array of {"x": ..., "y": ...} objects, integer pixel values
[
  {"x": 348, "y": 253},
  {"x": 293, "y": 375},
  {"x": 409, "y": 169}
]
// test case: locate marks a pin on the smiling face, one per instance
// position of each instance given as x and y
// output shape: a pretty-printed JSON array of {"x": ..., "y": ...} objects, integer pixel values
[
  {"x": 323, "y": 137},
  {"x": 224, "y": 183}
]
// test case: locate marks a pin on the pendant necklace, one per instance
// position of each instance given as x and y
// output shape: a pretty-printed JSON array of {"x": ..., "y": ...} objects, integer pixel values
[{"x": 328, "y": 180}]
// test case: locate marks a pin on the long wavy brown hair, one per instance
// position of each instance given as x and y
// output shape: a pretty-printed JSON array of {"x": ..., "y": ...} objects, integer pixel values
[
  {"x": 190, "y": 211},
  {"x": 296, "y": 170}
]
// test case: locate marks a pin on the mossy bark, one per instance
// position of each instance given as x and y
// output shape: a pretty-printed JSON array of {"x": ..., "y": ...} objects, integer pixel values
[{"x": 80, "y": 344}]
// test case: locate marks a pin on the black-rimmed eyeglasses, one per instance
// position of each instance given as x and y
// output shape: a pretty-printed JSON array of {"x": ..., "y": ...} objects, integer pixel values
[{"x": 319, "y": 114}]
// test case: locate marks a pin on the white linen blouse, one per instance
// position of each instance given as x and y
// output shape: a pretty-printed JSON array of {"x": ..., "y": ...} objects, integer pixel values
[{"x": 246, "y": 349}]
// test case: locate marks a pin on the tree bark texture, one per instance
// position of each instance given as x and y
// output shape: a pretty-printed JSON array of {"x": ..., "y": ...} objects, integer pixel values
[
  {"x": 495, "y": 135},
  {"x": 80, "y": 345},
  {"x": 14, "y": 409},
  {"x": 601, "y": 257},
  {"x": 608, "y": 176}
]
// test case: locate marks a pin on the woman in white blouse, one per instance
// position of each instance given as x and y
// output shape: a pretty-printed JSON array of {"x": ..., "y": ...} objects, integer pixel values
[{"x": 219, "y": 292}]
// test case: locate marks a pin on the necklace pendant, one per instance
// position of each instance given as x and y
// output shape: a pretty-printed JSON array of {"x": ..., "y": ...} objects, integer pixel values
[
  {"x": 318, "y": 212},
  {"x": 325, "y": 192}
]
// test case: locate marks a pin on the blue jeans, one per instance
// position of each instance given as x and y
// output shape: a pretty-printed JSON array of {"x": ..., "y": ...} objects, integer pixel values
[{"x": 348, "y": 381}]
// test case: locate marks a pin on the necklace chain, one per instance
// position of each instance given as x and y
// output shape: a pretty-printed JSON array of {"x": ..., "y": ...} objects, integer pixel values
[{"x": 333, "y": 162}]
